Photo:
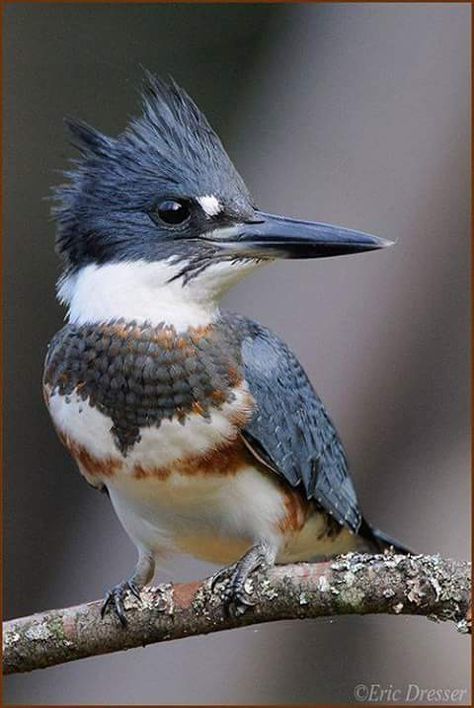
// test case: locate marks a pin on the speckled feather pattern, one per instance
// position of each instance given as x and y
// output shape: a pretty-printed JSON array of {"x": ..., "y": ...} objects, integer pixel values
[
  {"x": 140, "y": 375},
  {"x": 291, "y": 427}
]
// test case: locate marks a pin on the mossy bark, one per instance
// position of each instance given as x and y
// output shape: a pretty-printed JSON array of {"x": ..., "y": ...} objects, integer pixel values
[{"x": 352, "y": 584}]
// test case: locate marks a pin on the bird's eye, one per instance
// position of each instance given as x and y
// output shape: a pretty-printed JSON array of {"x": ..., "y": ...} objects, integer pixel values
[{"x": 172, "y": 213}]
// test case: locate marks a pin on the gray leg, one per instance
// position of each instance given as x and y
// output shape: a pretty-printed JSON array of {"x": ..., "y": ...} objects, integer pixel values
[
  {"x": 237, "y": 597},
  {"x": 143, "y": 573}
]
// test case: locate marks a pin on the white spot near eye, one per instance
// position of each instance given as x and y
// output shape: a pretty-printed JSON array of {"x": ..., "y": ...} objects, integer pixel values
[{"x": 210, "y": 204}]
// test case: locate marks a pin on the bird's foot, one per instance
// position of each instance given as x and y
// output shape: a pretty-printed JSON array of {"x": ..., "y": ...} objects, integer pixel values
[
  {"x": 235, "y": 594},
  {"x": 238, "y": 597},
  {"x": 114, "y": 601}
]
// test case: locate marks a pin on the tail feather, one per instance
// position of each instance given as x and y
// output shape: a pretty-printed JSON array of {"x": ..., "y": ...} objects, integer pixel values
[{"x": 379, "y": 541}]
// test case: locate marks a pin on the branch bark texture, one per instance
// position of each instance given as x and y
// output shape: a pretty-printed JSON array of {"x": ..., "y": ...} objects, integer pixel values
[{"x": 352, "y": 584}]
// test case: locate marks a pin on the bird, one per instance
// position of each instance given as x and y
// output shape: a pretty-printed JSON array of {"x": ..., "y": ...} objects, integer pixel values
[{"x": 200, "y": 424}]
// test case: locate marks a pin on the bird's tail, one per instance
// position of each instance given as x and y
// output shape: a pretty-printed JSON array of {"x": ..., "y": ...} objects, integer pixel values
[{"x": 378, "y": 541}]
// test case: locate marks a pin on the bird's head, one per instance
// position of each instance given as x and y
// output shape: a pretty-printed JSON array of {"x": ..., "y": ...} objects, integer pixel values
[{"x": 162, "y": 205}]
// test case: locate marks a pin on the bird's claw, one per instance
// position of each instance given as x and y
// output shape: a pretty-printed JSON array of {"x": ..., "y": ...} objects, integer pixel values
[
  {"x": 114, "y": 600},
  {"x": 237, "y": 598}
]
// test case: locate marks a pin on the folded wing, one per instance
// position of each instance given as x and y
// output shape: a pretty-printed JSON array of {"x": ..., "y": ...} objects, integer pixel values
[{"x": 290, "y": 431}]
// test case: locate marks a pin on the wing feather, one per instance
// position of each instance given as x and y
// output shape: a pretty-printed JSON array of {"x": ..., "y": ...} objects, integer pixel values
[{"x": 290, "y": 431}]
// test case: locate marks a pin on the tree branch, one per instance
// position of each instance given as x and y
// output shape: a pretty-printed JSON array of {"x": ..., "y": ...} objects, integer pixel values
[{"x": 351, "y": 584}]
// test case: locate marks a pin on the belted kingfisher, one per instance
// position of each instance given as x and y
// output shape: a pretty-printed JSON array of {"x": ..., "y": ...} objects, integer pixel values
[{"x": 200, "y": 424}]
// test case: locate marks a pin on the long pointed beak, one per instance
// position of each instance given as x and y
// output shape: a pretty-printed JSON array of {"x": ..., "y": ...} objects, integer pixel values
[{"x": 271, "y": 236}]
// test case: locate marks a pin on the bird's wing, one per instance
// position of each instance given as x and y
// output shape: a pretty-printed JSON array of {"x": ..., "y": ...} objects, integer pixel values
[{"x": 290, "y": 430}]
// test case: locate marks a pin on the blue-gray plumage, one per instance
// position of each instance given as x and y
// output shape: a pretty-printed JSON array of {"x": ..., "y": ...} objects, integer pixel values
[
  {"x": 291, "y": 428},
  {"x": 201, "y": 425}
]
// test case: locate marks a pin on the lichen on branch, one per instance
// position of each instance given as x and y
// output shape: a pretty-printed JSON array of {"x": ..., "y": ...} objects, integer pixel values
[{"x": 351, "y": 584}]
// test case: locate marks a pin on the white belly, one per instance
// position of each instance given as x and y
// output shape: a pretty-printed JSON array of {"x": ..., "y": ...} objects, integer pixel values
[
  {"x": 172, "y": 511},
  {"x": 215, "y": 516},
  {"x": 158, "y": 446},
  {"x": 218, "y": 519}
]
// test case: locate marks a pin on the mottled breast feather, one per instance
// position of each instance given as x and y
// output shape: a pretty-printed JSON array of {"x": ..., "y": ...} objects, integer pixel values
[{"x": 139, "y": 375}]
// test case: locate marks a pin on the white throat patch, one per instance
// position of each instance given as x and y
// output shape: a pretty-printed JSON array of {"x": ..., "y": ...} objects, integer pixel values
[{"x": 142, "y": 291}]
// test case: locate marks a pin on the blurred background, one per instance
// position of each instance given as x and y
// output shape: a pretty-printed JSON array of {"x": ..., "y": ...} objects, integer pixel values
[{"x": 355, "y": 114}]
